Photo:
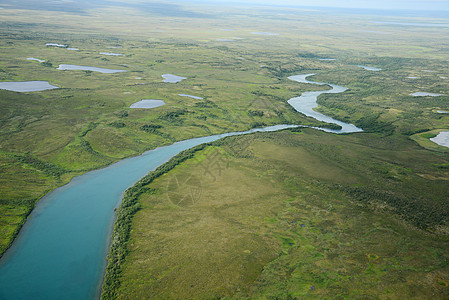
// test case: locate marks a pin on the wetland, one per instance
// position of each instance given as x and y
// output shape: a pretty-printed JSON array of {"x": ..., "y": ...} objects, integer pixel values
[{"x": 288, "y": 214}]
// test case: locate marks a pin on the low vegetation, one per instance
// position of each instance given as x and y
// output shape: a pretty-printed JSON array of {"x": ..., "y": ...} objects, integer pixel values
[
  {"x": 298, "y": 213},
  {"x": 289, "y": 215}
]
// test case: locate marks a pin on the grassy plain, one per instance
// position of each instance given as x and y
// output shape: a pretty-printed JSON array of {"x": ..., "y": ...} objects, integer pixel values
[
  {"x": 285, "y": 215},
  {"x": 50, "y": 136}
]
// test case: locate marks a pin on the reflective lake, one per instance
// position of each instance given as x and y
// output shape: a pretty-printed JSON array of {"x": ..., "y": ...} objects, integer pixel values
[
  {"x": 88, "y": 68},
  {"x": 149, "y": 103},
  {"x": 190, "y": 96},
  {"x": 170, "y": 78},
  {"x": 27, "y": 86},
  {"x": 370, "y": 68},
  {"x": 112, "y": 54},
  {"x": 424, "y": 94},
  {"x": 442, "y": 139},
  {"x": 36, "y": 59},
  {"x": 55, "y": 45}
]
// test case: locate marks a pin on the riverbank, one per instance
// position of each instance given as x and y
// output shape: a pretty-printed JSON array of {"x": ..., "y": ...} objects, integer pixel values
[
  {"x": 76, "y": 223},
  {"x": 122, "y": 226},
  {"x": 278, "y": 215}
]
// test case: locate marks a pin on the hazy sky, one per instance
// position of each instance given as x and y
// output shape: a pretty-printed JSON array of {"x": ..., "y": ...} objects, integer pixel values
[{"x": 376, "y": 4}]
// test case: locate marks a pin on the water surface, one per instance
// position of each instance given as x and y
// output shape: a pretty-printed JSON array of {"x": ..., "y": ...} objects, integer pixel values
[
  {"x": 88, "y": 68},
  {"x": 424, "y": 94},
  {"x": 36, "y": 59},
  {"x": 112, "y": 54},
  {"x": 27, "y": 86},
  {"x": 149, "y": 103},
  {"x": 190, "y": 96},
  {"x": 369, "y": 68},
  {"x": 55, "y": 45},
  {"x": 170, "y": 78},
  {"x": 442, "y": 139},
  {"x": 442, "y": 112},
  {"x": 308, "y": 101}
]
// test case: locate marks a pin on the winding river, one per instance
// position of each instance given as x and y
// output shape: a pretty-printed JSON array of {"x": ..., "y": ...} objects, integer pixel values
[
  {"x": 308, "y": 101},
  {"x": 61, "y": 251}
]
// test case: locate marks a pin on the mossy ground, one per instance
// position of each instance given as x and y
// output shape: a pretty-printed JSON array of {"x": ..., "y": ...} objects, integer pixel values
[{"x": 274, "y": 221}]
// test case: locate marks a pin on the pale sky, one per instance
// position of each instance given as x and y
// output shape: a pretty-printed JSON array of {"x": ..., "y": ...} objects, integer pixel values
[{"x": 374, "y": 4}]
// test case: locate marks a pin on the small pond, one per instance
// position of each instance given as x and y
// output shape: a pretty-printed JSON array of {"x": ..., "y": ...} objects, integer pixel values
[
  {"x": 55, "y": 45},
  {"x": 36, "y": 59},
  {"x": 88, "y": 68},
  {"x": 149, "y": 103},
  {"x": 369, "y": 68},
  {"x": 27, "y": 86},
  {"x": 194, "y": 97},
  {"x": 112, "y": 54},
  {"x": 424, "y": 94},
  {"x": 442, "y": 139},
  {"x": 170, "y": 78}
]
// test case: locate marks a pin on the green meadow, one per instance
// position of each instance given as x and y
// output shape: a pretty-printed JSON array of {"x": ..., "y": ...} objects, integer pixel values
[
  {"x": 298, "y": 213},
  {"x": 292, "y": 215}
]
